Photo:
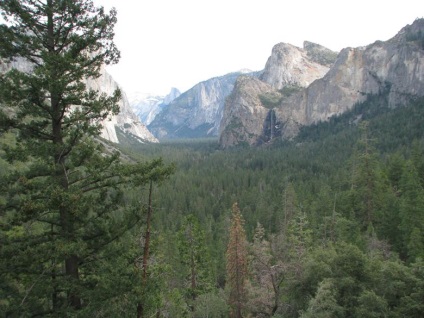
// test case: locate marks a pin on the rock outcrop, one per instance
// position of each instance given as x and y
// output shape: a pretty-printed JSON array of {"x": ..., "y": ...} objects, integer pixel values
[
  {"x": 126, "y": 120},
  {"x": 250, "y": 115},
  {"x": 290, "y": 65},
  {"x": 240, "y": 120},
  {"x": 394, "y": 67}
]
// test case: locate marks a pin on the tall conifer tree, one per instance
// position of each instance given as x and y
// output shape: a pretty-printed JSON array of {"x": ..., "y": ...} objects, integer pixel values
[
  {"x": 65, "y": 204},
  {"x": 195, "y": 258},
  {"x": 237, "y": 263},
  {"x": 367, "y": 183}
]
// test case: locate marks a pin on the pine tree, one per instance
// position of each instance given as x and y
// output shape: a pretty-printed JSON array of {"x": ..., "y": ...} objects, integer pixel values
[
  {"x": 266, "y": 276},
  {"x": 289, "y": 206},
  {"x": 237, "y": 263},
  {"x": 366, "y": 188},
  {"x": 65, "y": 202},
  {"x": 195, "y": 259},
  {"x": 324, "y": 304},
  {"x": 411, "y": 213}
]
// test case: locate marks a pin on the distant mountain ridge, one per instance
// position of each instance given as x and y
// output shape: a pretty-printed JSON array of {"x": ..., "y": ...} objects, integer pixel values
[
  {"x": 284, "y": 99},
  {"x": 198, "y": 111},
  {"x": 148, "y": 106}
]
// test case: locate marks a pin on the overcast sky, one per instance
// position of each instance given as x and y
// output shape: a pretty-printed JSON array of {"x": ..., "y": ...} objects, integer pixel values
[{"x": 178, "y": 43}]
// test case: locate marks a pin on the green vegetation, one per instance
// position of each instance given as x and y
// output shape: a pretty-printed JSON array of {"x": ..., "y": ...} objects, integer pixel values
[
  {"x": 417, "y": 37},
  {"x": 237, "y": 264},
  {"x": 68, "y": 225},
  {"x": 323, "y": 56},
  {"x": 274, "y": 99},
  {"x": 330, "y": 224},
  {"x": 271, "y": 99},
  {"x": 344, "y": 193},
  {"x": 289, "y": 90}
]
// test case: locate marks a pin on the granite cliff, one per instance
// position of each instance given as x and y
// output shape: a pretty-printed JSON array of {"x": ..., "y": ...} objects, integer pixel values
[
  {"x": 126, "y": 120},
  {"x": 394, "y": 67},
  {"x": 290, "y": 65},
  {"x": 249, "y": 113},
  {"x": 240, "y": 122}
]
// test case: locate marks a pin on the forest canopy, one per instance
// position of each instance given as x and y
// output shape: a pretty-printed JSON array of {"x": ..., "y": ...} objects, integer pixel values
[{"x": 333, "y": 219}]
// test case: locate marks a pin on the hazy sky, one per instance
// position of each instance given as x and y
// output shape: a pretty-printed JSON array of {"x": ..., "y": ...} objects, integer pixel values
[{"x": 178, "y": 43}]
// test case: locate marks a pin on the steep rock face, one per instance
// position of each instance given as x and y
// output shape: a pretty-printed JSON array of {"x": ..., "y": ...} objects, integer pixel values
[
  {"x": 243, "y": 111},
  {"x": 148, "y": 106},
  {"x": 333, "y": 94},
  {"x": 287, "y": 71},
  {"x": 19, "y": 64},
  {"x": 197, "y": 112},
  {"x": 126, "y": 120},
  {"x": 290, "y": 65},
  {"x": 394, "y": 67}
]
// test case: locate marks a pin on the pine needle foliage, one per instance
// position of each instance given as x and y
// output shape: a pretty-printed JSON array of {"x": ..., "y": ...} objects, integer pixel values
[{"x": 64, "y": 206}]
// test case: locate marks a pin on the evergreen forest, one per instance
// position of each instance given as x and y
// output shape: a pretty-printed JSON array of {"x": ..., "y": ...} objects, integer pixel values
[
  {"x": 331, "y": 221},
  {"x": 329, "y": 224}
]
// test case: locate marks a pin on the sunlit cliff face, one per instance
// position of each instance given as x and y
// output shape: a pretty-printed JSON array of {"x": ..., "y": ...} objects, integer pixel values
[{"x": 394, "y": 67}]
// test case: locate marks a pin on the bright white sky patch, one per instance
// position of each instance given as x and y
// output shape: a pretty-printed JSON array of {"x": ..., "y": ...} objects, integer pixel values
[{"x": 178, "y": 43}]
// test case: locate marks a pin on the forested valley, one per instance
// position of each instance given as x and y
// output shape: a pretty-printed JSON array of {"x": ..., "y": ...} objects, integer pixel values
[
  {"x": 332, "y": 222},
  {"x": 329, "y": 224}
]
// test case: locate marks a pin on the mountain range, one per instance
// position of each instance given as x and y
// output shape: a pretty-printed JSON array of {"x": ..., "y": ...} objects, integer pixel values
[
  {"x": 394, "y": 67},
  {"x": 197, "y": 112},
  {"x": 147, "y": 106},
  {"x": 298, "y": 87}
]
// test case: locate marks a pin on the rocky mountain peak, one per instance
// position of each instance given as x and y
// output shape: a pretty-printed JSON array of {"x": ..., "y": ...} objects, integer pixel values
[
  {"x": 306, "y": 92},
  {"x": 291, "y": 65},
  {"x": 242, "y": 105},
  {"x": 411, "y": 33},
  {"x": 174, "y": 93}
]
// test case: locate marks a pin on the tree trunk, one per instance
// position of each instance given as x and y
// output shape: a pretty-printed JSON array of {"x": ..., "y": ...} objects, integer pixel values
[{"x": 71, "y": 268}]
